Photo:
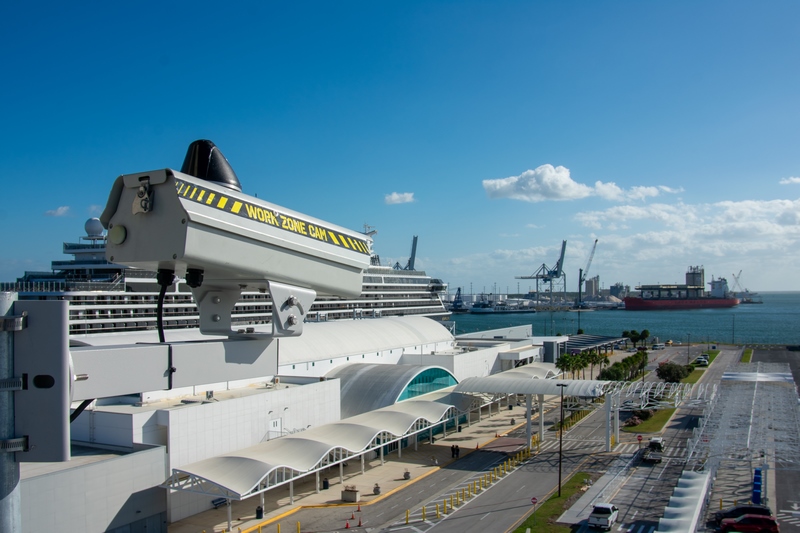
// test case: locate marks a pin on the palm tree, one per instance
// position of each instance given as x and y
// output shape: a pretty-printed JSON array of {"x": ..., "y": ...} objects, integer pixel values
[
  {"x": 564, "y": 363},
  {"x": 643, "y": 336},
  {"x": 595, "y": 358}
]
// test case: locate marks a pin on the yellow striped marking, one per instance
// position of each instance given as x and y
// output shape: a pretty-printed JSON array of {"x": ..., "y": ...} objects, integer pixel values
[
  {"x": 236, "y": 207},
  {"x": 211, "y": 196},
  {"x": 222, "y": 202}
]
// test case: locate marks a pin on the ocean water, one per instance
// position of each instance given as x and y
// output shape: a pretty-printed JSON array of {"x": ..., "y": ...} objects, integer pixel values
[{"x": 776, "y": 321}]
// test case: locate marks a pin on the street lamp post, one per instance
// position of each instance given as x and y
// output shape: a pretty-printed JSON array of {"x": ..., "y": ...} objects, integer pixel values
[
  {"x": 560, "y": 435},
  {"x": 688, "y": 344}
]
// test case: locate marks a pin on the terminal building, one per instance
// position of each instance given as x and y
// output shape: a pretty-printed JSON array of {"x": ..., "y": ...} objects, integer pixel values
[{"x": 132, "y": 455}]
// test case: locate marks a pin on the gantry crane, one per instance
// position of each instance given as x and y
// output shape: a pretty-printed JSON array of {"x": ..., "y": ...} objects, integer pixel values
[{"x": 548, "y": 275}]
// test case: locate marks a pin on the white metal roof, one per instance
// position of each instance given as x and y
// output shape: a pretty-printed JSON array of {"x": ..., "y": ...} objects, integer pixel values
[
  {"x": 246, "y": 472},
  {"x": 344, "y": 337},
  {"x": 320, "y": 340},
  {"x": 500, "y": 384},
  {"x": 367, "y": 386}
]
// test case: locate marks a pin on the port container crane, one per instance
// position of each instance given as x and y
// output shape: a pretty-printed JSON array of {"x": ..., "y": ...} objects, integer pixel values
[{"x": 549, "y": 275}]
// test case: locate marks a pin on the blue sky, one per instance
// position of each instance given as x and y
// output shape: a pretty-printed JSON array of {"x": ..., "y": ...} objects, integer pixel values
[{"x": 493, "y": 130}]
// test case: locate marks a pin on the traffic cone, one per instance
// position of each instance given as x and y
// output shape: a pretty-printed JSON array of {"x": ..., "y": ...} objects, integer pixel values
[
  {"x": 359, "y": 521},
  {"x": 476, "y": 445},
  {"x": 352, "y": 516},
  {"x": 359, "y": 508},
  {"x": 347, "y": 524}
]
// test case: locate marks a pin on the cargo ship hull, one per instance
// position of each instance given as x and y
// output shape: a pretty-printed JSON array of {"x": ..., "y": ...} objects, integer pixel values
[{"x": 642, "y": 304}]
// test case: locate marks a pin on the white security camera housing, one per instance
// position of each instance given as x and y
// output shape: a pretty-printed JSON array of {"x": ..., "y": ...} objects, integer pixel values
[{"x": 224, "y": 241}]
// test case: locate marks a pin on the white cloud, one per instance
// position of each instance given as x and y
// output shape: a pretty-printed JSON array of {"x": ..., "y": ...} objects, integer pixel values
[
  {"x": 654, "y": 244},
  {"x": 555, "y": 183},
  {"x": 788, "y": 181},
  {"x": 545, "y": 183},
  {"x": 58, "y": 212},
  {"x": 399, "y": 198}
]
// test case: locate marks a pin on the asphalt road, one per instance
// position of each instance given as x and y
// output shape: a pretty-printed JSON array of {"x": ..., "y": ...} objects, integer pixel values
[
  {"x": 786, "y": 503},
  {"x": 641, "y": 498}
]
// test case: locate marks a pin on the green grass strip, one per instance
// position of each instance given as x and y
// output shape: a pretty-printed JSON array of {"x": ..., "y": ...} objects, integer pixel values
[
  {"x": 544, "y": 519},
  {"x": 694, "y": 377},
  {"x": 654, "y": 425}
]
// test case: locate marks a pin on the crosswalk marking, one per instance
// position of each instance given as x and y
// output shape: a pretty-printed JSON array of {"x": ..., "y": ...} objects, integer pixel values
[{"x": 622, "y": 449}]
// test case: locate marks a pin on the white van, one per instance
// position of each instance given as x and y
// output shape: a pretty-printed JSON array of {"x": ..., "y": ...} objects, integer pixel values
[{"x": 659, "y": 346}]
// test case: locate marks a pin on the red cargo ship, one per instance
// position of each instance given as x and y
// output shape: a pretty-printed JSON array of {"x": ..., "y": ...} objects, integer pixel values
[{"x": 689, "y": 296}]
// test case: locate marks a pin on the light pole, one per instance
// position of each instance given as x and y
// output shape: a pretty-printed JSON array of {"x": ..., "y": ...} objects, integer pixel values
[
  {"x": 688, "y": 344},
  {"x": 560, "y": 435}
]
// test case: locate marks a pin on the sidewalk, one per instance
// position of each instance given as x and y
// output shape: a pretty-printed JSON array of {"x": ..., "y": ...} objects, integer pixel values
[
  {"x": 601, "y": 490},
  {"x": 419, "y": 464}
]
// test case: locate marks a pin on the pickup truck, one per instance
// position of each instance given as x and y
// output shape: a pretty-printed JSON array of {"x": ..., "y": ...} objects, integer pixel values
[
  {"x": 604, "y": 516},
  {"x": 652, "y": 454}
]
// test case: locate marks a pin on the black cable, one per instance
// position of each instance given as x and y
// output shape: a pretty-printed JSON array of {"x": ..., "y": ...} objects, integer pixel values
[
  {"x": 164, "y": 277},
  {"x": 84, "y": 404}
]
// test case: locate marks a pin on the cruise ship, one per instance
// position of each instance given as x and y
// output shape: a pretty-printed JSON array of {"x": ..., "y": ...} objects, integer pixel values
[{"x": 105, "y": 297}]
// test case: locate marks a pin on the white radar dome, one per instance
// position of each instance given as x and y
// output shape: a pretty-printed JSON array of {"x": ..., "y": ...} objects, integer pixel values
[{"x": 93, "y": 227}]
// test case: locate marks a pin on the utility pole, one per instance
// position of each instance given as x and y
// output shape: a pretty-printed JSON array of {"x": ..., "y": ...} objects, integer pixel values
[
  {"x": 688, "y": 344},
  {"x": 560, "y": 435}
]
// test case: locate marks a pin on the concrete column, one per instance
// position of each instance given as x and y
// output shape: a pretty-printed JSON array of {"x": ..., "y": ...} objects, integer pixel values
[
  {"x": 262, "y": 494},
  {"x": 291, "y": 491},
  {"x": 382, "y": 462},
  {"x": 541, "y": 417},
  {"x": 400, "y": 449},
  {"x": 528, "y": 431},
  {"x": 10, "y": 506},
  {"x": 362, "y": 462},
  {"x": 230, "y": 518},
  {"x": 341, "y": 471},
  {"x": 609, "y": 412}
]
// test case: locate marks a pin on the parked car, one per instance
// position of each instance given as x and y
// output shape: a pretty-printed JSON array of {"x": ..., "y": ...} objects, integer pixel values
[
  {"x": 604, "y": 516},
  {"x": 750, "y": 523},
  {"x": 739, "y": 510}
]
